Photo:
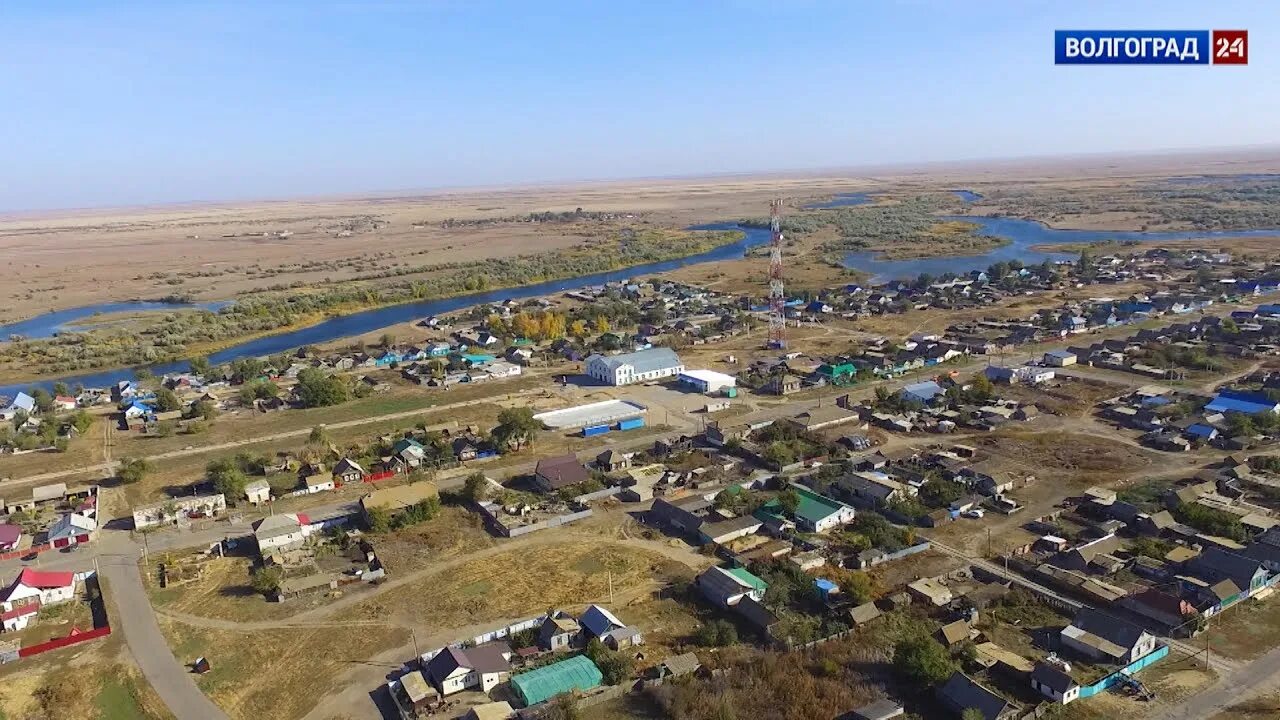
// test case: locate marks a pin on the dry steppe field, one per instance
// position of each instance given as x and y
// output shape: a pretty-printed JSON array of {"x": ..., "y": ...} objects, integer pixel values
[{"x": 208, "y": 251}]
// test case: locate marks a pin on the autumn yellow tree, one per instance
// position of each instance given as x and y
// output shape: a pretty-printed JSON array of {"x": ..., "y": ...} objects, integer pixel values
[
  {"x": 495, "y": 324},
  {"x": 602, "y": 324},
  {"x": 578, "y": 329},
  {"x": 552, "y": 326},
  {"x": 526, "y": 326}
]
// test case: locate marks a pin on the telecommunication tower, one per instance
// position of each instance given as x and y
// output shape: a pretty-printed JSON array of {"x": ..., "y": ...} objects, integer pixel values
[{"x": 777, "y": 298}]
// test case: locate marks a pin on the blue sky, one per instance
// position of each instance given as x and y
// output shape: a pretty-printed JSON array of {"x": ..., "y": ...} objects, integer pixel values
[{"x": 108, "y": 103}]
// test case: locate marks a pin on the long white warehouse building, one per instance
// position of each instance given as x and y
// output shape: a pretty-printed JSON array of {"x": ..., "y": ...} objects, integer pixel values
[{"x": 642, "y": 366}]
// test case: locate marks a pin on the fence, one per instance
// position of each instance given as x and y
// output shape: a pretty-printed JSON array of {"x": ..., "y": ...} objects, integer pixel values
[
  {"x": 375, "y": 477},
  {"x": 46, "y": 547},
  {"x": 56, "y": 643},
  {"x": 782, "y": 644},
  {"x": 1118, "y": 676},
  {"x": 545, "y": 524},
  {"x": 890, "y": 557},
  {"x": 496, "y": 634},
  {"x": 599, "y": 494}
]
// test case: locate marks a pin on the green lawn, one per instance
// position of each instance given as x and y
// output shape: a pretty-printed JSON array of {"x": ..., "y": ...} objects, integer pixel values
[{"x": 118, "y": 700}]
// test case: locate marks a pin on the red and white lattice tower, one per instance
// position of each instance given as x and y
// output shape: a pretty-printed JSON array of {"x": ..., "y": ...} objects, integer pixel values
[{"x": 777, "y": 298}]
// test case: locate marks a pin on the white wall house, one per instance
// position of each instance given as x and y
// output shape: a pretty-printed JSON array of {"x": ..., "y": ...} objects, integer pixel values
[
  {"x": 31, "y": 591},
  {"x": 258, "y": 491},
  {"x": 281, "y": 532},
  {"x": 179, "y": 509},
  {"x": 642, "y": 366},
  {"x": 482, "y": 667}
]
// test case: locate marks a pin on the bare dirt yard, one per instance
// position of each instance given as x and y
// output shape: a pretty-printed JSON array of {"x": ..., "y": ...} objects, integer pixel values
[
  {"x": 276, "y": 673},
  {"x": 1073, "y": 458}
]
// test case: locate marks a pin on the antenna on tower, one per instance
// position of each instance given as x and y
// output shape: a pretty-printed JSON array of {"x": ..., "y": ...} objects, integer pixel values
[{"x": 777, "y": 298}]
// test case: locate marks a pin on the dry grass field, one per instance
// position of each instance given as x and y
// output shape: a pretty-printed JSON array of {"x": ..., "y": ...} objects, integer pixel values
[
  {"x": 220, "y": 250},
  {"x": 522, "y": 582},
  {"x": 221, "y": 593},
  {"x": 106, "y": 686},
  {"x": 276, "y": 673}
]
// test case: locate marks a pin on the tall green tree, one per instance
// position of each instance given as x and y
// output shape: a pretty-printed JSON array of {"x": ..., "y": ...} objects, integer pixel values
[
  {"x": 133, "y": 470},
  {"x": 516, "y": 428},
  {"x": 922, "y": 661}
]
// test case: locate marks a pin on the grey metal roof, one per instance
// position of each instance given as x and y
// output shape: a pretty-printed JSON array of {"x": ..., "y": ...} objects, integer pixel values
[
  {"x": 644, "y": 361},
  {"x": 1052, "y": 678},
  {"x": 1109, "y": 628},
  {"x": 961, "y": 693}
]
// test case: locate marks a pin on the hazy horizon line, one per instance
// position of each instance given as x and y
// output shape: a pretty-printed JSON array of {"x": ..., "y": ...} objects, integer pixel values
[{"x": 354, "y": 195}]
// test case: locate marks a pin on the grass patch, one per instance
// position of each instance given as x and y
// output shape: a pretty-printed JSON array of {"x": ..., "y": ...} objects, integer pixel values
[
  {"x": 589, "y": 566},
  {"x": 1260, "y": 708},
  {"x": 1244, "y": 631},
  {"x": 527, "y": 581},
  {"x": 120, "y": 698},
  {"x": 476, "y": 588}
]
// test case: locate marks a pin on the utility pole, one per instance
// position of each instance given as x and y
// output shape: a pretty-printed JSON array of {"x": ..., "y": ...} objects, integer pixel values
[
  {"x": 1207, "y": 664},
  {"x": 777, "y": 297}
]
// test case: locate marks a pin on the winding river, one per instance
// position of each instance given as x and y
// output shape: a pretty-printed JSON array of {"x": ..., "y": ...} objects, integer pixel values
[
  {"x": 52, "y": 323},
  {"x": 365, "y": 321},
  {"x": 1021, "y": 234}
]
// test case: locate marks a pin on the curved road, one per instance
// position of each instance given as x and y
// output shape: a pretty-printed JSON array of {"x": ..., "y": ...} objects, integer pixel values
[{"x": 172, "y": 681}]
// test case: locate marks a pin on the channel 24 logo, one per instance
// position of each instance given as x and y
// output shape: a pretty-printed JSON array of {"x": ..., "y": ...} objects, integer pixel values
[{"x": 1151, "y": 47}]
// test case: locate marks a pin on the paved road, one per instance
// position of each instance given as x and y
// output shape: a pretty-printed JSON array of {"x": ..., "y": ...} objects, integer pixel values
[
  {"x": 172, "y": 681},
  {"x": 1256, "y": 678}
]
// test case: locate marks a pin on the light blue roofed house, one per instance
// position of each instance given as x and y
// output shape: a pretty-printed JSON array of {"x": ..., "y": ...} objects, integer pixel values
[
  {"x": 825, "y": 587},
  {"x": 23, "y": 401},
  {"x": 923, "y": 392},
  {"x": 1242, "y": 402}
]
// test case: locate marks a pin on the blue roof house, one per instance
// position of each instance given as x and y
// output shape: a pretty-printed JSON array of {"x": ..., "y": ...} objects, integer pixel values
[
  {"x": 23, "y": 401},
  {"x": 1242, "y": 402},
  {"x": 826, "y": 588},
  {"x": 923, "y": 392},
  {"x": 1202, "y": 432}
]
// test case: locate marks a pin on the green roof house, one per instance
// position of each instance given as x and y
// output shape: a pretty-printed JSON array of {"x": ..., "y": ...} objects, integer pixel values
[
  {"x": 815, "y": 513},
  {"x": 576, "y": 673},
  {"x": 838, "y": 371},
  {"x": 727, "y": 587}
]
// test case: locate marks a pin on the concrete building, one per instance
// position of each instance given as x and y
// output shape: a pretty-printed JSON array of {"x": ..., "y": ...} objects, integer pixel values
[
  {"x": 628, "y": 368},
  {"x": 707, "y": 381},
  {"x": 1059, "y": 358},
  {"x": 179, "y": 509}
]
